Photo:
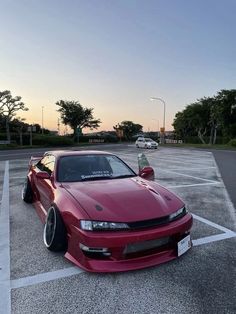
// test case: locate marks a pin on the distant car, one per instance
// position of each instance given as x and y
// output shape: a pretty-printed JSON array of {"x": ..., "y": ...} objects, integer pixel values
[
  {"x": 102, "y": 214},
  {"x": 144, "y": 142}
]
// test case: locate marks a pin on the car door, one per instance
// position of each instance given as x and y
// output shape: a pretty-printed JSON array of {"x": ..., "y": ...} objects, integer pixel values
[{"x": 45, "y": 187}]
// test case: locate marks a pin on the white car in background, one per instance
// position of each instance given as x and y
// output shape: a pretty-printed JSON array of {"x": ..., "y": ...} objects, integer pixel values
[{"x": 144, "y": 142}]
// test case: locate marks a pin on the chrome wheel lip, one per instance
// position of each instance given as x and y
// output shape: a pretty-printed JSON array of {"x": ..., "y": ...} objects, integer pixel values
[
  {"x": 49, "y": 228},
  {"x": 23, "y": 191}
]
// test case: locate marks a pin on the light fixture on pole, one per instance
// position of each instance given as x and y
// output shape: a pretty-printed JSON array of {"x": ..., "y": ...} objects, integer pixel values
[
  {"x": 42, "y": 119},
  {"x": 164, "y": 116}
]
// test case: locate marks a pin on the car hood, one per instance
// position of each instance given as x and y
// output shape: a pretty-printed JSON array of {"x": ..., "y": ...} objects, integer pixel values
[{"x": 123, "y": 200}]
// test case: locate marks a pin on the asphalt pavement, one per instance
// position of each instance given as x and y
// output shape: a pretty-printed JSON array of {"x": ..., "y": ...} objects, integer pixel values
[
  {"x": 226, "y": 161},
  {"x": 34, "y": 280}
]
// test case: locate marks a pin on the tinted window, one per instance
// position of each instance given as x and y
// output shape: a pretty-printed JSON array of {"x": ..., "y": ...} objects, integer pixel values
[{"x": 91, "y": 167}]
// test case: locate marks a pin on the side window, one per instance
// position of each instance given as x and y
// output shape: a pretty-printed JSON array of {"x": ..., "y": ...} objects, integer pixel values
[
  {"x": 41, "y": 163},
  {"x": 47, "y": 164}
]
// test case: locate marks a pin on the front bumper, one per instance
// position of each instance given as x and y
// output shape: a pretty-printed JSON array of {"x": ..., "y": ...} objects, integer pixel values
[{"x": 120, "y": 258}]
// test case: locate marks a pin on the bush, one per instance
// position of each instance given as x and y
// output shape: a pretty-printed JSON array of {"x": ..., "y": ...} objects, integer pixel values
[
  {"x": 52, "y": 140},
  {"x": 232, "y": 142}
]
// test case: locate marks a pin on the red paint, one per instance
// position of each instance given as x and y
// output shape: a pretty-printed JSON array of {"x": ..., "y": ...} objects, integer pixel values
[{"x": 122, "y": 200}]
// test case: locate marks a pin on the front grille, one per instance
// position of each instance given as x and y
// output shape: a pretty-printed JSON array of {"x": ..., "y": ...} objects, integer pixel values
[{"x": 148, "y": 223}]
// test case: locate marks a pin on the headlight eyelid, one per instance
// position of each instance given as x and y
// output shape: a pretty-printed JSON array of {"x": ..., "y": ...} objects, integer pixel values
[
  {"x": 93, "y": 225},
  {"x": 180, "y": 211}
]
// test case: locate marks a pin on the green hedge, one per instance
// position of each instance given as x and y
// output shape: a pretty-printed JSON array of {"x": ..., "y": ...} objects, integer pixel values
[
  {"x": 232, "y": 142},
  {"x": 52, "y": 140}
]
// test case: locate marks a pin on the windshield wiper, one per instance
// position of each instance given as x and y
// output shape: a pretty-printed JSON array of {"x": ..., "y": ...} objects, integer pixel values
[
  {"x": 124, "y": 176},
  {"x": 96, "y": 178}
]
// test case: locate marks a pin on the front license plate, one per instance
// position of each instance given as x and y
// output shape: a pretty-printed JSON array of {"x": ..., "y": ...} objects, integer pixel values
[{"x": 184, "y": 245}]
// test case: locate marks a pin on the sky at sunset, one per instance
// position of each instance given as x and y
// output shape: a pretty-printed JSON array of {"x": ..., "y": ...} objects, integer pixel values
[{"x": 114, "y": 55}]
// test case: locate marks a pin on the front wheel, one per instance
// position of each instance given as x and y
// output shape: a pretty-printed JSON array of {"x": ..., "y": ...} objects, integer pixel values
[
  {"x": 54, "y": 233},
  {"x": 27, "y": 193}
]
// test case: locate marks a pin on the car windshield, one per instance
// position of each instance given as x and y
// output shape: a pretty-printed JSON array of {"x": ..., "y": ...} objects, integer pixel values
[
  {"x": 92, "y": 167},
  {"x": 148, "y": 140}
]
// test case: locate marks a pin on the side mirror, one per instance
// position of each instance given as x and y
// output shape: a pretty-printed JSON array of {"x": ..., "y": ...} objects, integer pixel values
[
  {"x": 147, "y": 173},
  {"x": 42, "y": 175}
]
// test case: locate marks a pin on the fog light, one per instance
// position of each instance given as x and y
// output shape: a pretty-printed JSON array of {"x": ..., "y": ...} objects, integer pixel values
[{"x": 103, "y": 251}]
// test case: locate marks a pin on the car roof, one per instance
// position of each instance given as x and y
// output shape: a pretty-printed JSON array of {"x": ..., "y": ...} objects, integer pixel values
[{"x": 60, "y": 153}]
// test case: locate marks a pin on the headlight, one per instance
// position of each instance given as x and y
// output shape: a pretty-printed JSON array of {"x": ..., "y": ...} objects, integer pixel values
[
  {"x": 180, "y": 212},
  {"x": 90, "y": 225}
]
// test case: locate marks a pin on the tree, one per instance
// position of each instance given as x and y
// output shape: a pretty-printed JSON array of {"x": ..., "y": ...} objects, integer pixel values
[
  {"x": 227, "y": 111},
  {"x": 8, "y": 107},
  {"x": 19, "y": 126},
  {"x": 209, "y": 116},
  {"x": 193, "y": 120},
  {"x": 77, "y": 117},
  {"x": 129, "y": 128},
  {"x": 2, "y": 122}
]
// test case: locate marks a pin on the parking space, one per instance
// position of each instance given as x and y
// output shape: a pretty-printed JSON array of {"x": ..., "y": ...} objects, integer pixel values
[{"x": 201, "y": 281}]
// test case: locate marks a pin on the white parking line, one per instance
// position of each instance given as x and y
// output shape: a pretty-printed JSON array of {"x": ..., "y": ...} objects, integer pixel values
[
  {"x": 5, "y": 292},
  {"x": 212, "y": 224},
  {"x": 214, "y": 238},
  {"x": 44, "y": 277},
  {"x": 227, "y": 234},
  {"x": 191, "y": 185},
  {"x": 67, "y": 272},
  {"x": 192, "y": 169},
  {"x": 188, "y": 176}
]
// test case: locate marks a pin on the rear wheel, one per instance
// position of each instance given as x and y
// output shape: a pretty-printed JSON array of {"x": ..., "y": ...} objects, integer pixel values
[
  {"x": 54, "y": 233},
  {"x": 27, "y": 193}
]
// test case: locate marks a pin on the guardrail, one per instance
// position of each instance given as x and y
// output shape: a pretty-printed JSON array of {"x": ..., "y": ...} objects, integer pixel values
[{"x": 5, "y": 142}]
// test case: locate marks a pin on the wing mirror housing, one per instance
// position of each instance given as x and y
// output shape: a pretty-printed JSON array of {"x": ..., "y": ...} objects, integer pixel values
[
  {"x": 147, "y": 173},
  {"x": 43, "y": 175}
]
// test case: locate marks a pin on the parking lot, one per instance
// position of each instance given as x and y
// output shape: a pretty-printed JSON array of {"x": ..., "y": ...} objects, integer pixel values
[{"x": 34, "y": 280}]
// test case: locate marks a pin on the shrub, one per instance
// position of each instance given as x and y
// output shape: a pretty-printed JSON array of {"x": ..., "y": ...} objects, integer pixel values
[
  {"x": 52, "y": 140},
  {"x": 232, "y": 142}
]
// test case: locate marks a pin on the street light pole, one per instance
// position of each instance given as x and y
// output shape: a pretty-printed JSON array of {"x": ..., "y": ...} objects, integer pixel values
[
  {"x": 42, "y": 119},
  {"x": 164, "y": 115},
  {"x": 157, "y": 126}
]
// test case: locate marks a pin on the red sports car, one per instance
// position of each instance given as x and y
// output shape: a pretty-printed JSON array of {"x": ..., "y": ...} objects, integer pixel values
[{"x": 102, "y": 214}]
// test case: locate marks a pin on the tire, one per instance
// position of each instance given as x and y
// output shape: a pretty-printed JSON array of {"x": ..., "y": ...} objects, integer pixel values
[
  {"x": 54, "y": 233},
  {"x": 27, "y": 193}
]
